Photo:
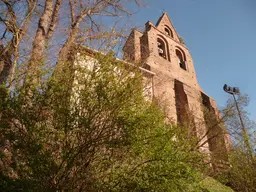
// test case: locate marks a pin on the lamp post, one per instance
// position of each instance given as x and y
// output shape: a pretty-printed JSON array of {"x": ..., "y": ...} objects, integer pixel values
[{"x": 235, "y": 91}]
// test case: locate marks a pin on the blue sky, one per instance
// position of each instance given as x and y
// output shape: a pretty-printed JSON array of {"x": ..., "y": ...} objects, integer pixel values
[{"x": 221, "y": 36}]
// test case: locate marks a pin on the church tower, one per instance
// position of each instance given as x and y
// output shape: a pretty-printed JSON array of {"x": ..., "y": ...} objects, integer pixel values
[{"x": 175, "y": 84}]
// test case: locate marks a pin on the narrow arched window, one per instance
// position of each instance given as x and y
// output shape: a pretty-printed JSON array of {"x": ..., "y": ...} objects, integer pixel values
[
  {"x": 168, "y": 31},
  {"x": 161, "y": 48},
  {"x": 181, "y": 59}
]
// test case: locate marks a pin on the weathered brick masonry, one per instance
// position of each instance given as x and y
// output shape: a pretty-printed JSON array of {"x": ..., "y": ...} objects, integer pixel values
[{"x": 164, "y": 53}]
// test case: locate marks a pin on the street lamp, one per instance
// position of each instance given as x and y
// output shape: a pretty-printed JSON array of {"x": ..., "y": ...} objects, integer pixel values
[{"x": 235, "y": 91}]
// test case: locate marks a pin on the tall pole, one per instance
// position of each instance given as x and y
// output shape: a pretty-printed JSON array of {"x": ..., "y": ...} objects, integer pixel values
[
  {"x": 239, "y": 114},
  {"x": 245, "y": 136}
]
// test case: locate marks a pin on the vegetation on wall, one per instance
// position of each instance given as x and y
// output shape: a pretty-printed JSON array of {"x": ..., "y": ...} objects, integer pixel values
[{"x": 182, "y": 40}]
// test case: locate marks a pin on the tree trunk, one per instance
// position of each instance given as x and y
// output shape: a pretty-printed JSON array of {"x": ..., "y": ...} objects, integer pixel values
[
  {"x": 46, "y": 27},
  {"x": 5, "y": 65},
  {"x": 38, "y": 49},
  {"x": 18, "y": 30}
]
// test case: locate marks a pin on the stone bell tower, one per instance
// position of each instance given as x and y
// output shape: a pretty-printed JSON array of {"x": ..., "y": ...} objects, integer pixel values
[{"x": 175, "y": 86}]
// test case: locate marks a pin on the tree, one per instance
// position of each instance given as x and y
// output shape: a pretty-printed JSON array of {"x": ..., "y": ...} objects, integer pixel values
[
  {"x": 241, "y": 174},
  {"x": 14, "y": 29},
  {"x": 106, "y": 138},
  {"x": 82, "y": 20}
]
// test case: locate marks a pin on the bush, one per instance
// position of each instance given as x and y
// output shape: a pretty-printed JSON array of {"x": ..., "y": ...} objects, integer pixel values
[{"x": 97, "y": 133}]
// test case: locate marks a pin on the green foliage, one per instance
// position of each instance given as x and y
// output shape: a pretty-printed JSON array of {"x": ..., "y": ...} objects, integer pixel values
[
  {"x": 159, "y": 161},
  {"x": 242, "y": 171},
  {"x": 92, "y": 131},
  {"x": 211, "y": 185}
]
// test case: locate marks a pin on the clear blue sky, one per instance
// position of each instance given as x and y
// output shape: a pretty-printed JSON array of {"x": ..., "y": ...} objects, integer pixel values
[{"x": 221, "y": 36}]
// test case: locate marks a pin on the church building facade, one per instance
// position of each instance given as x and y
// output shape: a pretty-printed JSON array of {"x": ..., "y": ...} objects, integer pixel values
[{"x": 175, "y": 85}]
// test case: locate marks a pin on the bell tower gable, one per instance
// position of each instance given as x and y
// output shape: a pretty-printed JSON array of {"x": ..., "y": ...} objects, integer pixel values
[{"x": 165, "y": 25}]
